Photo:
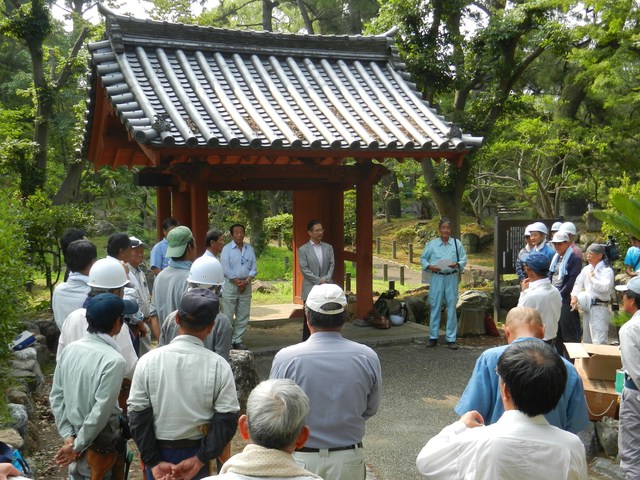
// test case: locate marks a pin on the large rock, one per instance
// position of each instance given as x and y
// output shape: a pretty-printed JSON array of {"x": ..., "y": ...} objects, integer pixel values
[
  {"x": 475, "y": 299},
  {"x": 20, "y": 418},
  {"x": 607, "y": 432},
  {"x": 19, "y": 397},
  {"x": 245, "y": 374},
  {"x": 11, "y": 437},
  {"x": 32, "y": 366},
  {"x": 50, "y": 330},
  {"x": 509, "y": 297}
]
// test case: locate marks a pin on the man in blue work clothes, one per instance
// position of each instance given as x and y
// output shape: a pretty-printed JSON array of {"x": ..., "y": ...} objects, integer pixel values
[
  {"x": 445, "y": 258},
  {"x": 239, "y": 264},
  {"x": 483, "y": 393}
]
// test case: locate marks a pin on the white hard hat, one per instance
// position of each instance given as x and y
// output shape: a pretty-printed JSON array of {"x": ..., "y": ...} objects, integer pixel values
[
  {"x": 556, "y": 226},
  {"x": 206, "y": 271},
  {"x": 584, "y": 301},
  {"x": 568, "y": 227},
  {"x": 538, "y": 227},
  {"x": 107, "y": 273},
  {"x": 527, "y": 231}
]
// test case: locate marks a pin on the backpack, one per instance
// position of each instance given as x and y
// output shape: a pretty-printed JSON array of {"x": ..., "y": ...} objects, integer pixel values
[
  {"x": 13, "y": 456},
  {"x": 612, "y": 250}
]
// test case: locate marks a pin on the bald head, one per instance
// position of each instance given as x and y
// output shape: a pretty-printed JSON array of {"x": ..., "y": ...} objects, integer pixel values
[{"x": 523, "y": 322}]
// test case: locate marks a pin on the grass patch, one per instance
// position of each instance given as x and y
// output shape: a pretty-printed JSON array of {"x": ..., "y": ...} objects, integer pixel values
[
  {"x": 275, "y": 263},
  {"x": 282, "y": 293}
]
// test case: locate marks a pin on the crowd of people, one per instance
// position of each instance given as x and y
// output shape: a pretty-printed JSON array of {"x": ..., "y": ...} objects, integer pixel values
[{"x": 179, "y": 403}]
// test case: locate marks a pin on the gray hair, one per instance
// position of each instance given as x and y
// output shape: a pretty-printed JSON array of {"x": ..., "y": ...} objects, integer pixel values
[{"x": 276, "y": 413}]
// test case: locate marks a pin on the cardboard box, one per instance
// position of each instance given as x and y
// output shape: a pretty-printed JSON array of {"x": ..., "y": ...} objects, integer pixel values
[
  {"x": 601, "y": 396},
  {"x": 599, "y": 362}
]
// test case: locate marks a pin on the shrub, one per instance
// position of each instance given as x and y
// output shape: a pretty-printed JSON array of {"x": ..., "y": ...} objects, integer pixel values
[
  {"x": 280, "y": 226},
  {"x": 13, "y": 271},
  {"x": 43, "y": 224},
  {"x": 405, "y": 235}
]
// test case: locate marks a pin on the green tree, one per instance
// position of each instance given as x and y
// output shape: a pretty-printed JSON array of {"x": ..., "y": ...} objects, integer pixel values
[{"x": 43, "y": 223}]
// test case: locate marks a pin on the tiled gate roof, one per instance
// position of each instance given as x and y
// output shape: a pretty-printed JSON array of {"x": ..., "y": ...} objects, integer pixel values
[{"x": 185, "y": 86}]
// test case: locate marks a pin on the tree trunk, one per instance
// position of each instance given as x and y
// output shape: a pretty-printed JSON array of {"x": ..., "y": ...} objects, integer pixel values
[
  {"x": 449, "y": 202},
  {"x": 391, "y": 196},
  {"x": 267, "y": 15}
]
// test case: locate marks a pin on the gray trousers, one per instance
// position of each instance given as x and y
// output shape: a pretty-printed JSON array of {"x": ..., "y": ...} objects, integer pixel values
[{"x": 629, "y": 434}]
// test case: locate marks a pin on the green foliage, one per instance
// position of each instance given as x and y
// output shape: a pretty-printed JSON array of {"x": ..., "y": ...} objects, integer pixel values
[
  {"x": 43, "y": 223},
  {"x": 280, "y": 226},
  {"x": 30, "y": 23},
  {"x": 406, "y": 235},
  {"x": 349, "y": 217},
  {"x": 622, "y": 216},
  {"x": 13, "y": 270},
  {"x": 275, "y": 264}
]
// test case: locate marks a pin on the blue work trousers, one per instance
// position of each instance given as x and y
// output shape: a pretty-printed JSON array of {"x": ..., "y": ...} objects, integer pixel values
[{"x": 443, "y": 286}]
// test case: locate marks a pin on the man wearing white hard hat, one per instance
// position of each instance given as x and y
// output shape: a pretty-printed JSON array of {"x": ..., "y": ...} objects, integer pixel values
[
  {"x": 592, "y": 293},
  {"x": 570, "y": 229},
  {"x": 343, "y": 382},
  {"x": 107, "y": 275},
  {"x": 629, "y": 433},
  {"x": 538, "y": 232},
  {"x": 555, "y": 227},
  {"x": 565, "y": 268},
  {"x": 206, "y": 272}
]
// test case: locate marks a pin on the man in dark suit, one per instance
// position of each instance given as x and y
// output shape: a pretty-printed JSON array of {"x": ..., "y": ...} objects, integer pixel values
[{"x": 316, "y": 264}]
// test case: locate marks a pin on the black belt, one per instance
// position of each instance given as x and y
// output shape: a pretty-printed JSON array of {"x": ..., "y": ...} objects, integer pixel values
[
  {"x": 599, "y": 302},
  {"x": 184, "y": 443},
  {"x": 332, "y": 449},
  {"x": 628, "y": 383},
  {"x": 446, "y": 273}
]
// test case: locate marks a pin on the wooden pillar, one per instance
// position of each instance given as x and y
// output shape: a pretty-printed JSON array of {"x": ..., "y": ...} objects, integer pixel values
[
  {"x": 336, "y": 230},
  {"x": 199, "y": 215},
  {"x": 364, "y": 244},
  {"x": 163, "y": 209},
  {"x": 308, "y": 205},
  {"x": 181, "y": 201}
]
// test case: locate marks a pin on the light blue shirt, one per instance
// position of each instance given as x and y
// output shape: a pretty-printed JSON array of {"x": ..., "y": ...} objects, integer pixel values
[
  {"x": 437, "y": 250},
  {"x": 158, "y": 256},
  {"x": 238, "y": 263},
  {"x": 86, "y": 385},
  {"x": 483, "y": 394},
  {"x": 343, "y": 381}
]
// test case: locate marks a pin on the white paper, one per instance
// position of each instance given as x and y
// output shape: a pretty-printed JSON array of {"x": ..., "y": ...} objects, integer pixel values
[{"x": 443, "y": 264}]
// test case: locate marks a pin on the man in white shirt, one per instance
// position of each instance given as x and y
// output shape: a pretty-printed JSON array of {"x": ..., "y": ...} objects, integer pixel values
[
  {"x": 628, "y": 438},
  {"x": 521, "y": 445},
  {"x": 70, "y": 295},
  {"x": 538, "y": 293},
  {"x": 592, "y": 291}
]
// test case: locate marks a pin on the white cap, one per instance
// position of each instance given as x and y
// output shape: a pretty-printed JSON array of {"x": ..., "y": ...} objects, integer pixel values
[
  {"x": 538, "y": 227},
  {"x": 326, "y": 293},
  {"x": 556, "y": 226},
  {"x": 633, "y": 285},
  {"x": 527, "y": 231},
  {"x": 569, "y": 228},
  {"x": 560, "y": 237},
  {"x": 136, "y": 242}
]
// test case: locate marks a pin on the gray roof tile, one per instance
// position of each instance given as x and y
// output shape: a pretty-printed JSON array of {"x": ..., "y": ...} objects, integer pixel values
[{"x": 178, "y": 85}]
